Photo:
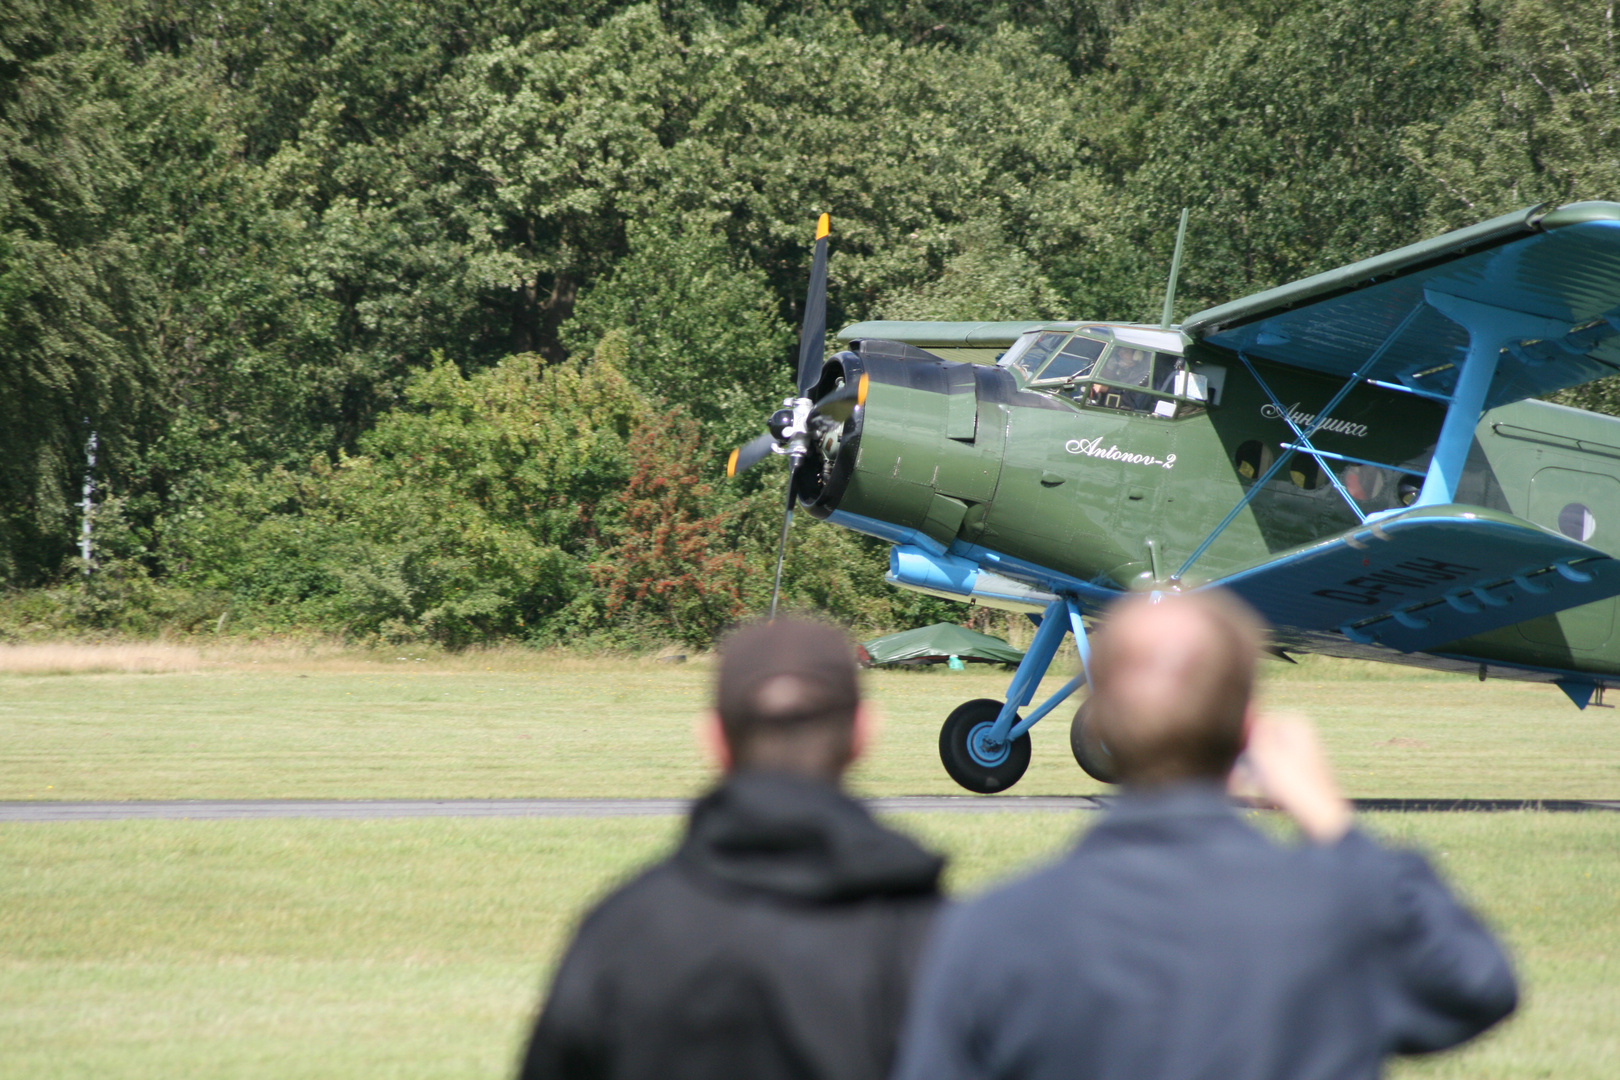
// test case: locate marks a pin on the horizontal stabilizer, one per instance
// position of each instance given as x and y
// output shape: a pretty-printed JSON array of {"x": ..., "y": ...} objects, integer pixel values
[{"x": 1427, "y": 576}]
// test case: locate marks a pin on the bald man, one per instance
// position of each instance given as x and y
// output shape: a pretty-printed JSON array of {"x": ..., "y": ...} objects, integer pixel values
[{"x": 1176, "y": 941}]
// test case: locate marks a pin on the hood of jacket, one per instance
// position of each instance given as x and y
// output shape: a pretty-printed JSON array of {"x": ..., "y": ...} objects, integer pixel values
[{"x": 802, "y": 840}]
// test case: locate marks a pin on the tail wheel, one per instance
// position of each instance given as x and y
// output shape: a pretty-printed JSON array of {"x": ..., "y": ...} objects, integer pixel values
[
  {"x": 969, "y": 758},
  {"x": 1090, "y": 751}
]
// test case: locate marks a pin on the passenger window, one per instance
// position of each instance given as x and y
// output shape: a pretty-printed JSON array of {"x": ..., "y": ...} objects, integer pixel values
[
  {"x": 1252, "y": 458},
  {"x": 1306, "y": 472},
  {"x": 1363, "y": 482},
  {"x": 1410, "y": 487},
  {"x": 1075, "y": 361}
]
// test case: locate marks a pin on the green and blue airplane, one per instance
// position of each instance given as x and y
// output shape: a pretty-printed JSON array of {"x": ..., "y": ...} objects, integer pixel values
[{"x": 1360, "y": 455}]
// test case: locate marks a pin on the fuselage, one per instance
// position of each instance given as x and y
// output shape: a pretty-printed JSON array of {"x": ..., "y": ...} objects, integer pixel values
[{"x": 1110, "y": 454}]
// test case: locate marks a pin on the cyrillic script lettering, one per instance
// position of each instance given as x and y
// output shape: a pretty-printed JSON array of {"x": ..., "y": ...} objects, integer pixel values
[{"x": 1304, "y": 420}]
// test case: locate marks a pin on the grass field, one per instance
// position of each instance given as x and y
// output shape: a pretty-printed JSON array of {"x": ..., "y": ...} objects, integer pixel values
[
  {"x": 515, "y": 724},
  {"x": 419, "y": 948}
]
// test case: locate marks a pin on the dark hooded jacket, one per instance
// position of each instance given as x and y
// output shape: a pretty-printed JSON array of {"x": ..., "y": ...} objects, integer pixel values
[{"x": 778, "y": 941}]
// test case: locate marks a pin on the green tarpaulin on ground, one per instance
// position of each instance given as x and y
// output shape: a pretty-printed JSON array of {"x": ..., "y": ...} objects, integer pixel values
[{"x": 937, "y": 643}]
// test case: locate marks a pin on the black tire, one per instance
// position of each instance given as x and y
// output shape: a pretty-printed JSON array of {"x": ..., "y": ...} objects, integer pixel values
[
  {"x": 1089, "y": 751},
  {"x": 976, "y": 772}
]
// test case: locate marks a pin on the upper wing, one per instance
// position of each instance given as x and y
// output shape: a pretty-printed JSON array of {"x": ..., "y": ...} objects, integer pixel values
[
  {"x": 1427, "y": 576},
  {"x": 970, "y": 342},
  {"x": 1562, "y": 266}
]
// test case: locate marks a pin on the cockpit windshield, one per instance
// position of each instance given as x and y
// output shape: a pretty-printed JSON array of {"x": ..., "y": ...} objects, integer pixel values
[
  {"x": 1073, "y": 361},
  {"x": 1031, "y": 351}
]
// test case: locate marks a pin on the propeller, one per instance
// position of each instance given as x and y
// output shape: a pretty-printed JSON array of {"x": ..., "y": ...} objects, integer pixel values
[
  {"x": 840, "y": 404},
  {"x": 749, "y": 454},
  {"x": 813, "y": 334},
  {"x": 788, "y": 430}
]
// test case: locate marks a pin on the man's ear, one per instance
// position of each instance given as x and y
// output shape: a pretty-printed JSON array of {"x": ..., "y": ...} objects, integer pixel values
[
  {"x": 868, "y": 722},
  {"x": 711, "y": 736}
]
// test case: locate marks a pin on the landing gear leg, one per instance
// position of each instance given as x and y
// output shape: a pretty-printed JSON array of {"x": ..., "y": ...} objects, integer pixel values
[{"x": 984, "y": 744}]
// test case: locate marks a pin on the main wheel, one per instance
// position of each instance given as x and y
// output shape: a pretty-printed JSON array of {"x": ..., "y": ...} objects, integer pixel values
[
  {"x": 969, "y": 760},
  {"x": 1089, "y": 751}
]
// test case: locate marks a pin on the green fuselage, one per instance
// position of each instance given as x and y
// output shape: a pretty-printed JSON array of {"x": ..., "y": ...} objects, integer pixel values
[{"x": 1120, "y": 486}]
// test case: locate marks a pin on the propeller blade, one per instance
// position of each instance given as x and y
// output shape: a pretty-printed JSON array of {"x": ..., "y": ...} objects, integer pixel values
[
  {"x": 781, "y": 545},
  {"x": 749, "y": 454},
  {"x": 840, "y": 404},
  {"x": 813, "y": 335}
]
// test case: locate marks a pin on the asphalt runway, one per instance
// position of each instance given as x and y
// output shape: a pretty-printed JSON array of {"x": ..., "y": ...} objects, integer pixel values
[{"x": 259, "y": 809}]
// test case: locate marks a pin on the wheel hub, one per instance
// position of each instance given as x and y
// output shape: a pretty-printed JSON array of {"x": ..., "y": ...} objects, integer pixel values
[{"x": 983, "y": 750}]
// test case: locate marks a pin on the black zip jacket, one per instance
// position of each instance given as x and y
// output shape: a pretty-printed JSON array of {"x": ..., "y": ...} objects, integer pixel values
[
  {"x": 780, "y": 940},
  {"x": 1177, "y": 943}
]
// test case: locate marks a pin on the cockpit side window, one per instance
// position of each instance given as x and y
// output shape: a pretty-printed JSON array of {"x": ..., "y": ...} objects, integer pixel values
[
  {"x": 1128, "y": 365},
  {"x": 1032, "y": 350},
  {"x": 1133, "y": 366},
  {"x": 1166, "y": 366},
  {"x": 1131, "y": 378},
  {"x": 1074, "y": 361}
]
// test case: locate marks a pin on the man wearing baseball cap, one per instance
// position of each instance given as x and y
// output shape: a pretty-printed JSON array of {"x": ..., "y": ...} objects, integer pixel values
[{"x": 781, "y": 937}]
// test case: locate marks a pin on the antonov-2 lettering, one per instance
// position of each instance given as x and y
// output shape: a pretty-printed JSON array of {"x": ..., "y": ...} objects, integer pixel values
[{"x": 1095, "y": 448}]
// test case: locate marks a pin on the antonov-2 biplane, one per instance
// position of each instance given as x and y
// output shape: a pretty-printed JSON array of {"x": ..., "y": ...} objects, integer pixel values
[{"x": 1360, "y": 455}]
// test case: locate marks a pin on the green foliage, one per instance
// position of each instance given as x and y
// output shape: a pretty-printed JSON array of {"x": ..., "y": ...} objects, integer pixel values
[
  {"x": 1547, "y": 129},
  {"x": 75, "y": 303},
  {"x": 693, "y": 326},
  {"x": 465, "y": 517},
  {"x": 1279, "y": 123},
  {"x": 239, "y": 238},
  {"x": 985, "y": 278},
  {"x": 1078, "y": 31},
  {"x": 119, "y": 602}
]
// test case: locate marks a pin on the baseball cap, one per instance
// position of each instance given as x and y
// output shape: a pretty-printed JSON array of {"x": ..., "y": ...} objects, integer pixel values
[{"x": 777, "y": 674}]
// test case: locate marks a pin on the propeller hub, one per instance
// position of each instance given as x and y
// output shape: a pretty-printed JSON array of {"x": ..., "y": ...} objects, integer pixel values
[{"x": 794, "y": 436}]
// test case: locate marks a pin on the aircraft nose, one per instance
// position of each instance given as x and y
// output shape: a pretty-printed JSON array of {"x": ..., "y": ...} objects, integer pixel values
[{"x": 836, "y": 422}]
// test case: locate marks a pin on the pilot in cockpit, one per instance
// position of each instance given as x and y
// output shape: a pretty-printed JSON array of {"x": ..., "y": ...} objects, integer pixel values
[{"x": 1132, "y": 367}]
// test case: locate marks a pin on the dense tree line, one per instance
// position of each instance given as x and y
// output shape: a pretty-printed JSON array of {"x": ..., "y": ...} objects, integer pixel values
[{"x": 432, "y": 319}]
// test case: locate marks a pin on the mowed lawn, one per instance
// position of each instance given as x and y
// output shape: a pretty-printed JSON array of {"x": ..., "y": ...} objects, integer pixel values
[
  {"x": 514, "y": 724},
  {"x": 418, "y": 948}
]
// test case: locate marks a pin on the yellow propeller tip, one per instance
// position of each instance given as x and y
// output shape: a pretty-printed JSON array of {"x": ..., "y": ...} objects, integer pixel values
[
  {"x": 823, "y": 226},
  {"x": 731, "y": 463},
  {"x": 860, "y": 389}
]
